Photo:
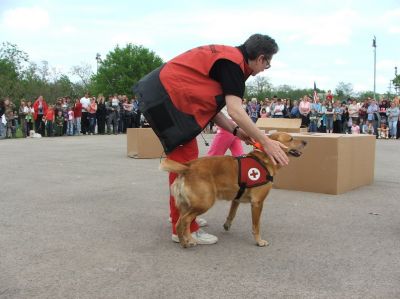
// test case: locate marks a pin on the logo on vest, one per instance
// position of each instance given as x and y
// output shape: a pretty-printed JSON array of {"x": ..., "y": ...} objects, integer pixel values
[{"x": 253, "y": 174}]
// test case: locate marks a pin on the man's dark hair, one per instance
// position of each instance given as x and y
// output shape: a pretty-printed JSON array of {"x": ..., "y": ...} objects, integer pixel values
[{"x": 259, "y": 44}]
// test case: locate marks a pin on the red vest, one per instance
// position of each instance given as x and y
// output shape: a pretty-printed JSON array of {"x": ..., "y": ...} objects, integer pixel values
[
  {"x": 252, "y": 173},
  {"x": 179, "y": 99},
  {"x": 186, "y": 80}
]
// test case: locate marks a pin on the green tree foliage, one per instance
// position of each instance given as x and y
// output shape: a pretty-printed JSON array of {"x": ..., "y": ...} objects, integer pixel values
[
  {"x": 123, "y": 68},
  {"x": 344, "y": 90}
]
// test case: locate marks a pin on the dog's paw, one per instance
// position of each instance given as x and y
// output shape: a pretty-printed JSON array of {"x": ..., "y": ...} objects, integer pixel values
[
  {"x": 227, "y": 225},
  {"x": 262, "y": 243}
]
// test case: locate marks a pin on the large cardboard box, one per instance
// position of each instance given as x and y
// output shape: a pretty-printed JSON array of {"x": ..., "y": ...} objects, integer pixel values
[
  {"x": 290, "y": 125},
  {"x": 143, "y": 143},
  {"x": 331, "y": 164}
]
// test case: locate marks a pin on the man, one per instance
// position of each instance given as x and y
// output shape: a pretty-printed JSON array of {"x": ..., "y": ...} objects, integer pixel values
[{"x": 181, "y": 97}]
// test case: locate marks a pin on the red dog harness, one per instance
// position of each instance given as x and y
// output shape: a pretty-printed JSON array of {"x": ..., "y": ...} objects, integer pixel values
[{"x": 252, "y": 173}]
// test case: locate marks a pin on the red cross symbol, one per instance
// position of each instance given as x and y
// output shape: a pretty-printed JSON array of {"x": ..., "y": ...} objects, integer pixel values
[{"x": 253, "y": 174}]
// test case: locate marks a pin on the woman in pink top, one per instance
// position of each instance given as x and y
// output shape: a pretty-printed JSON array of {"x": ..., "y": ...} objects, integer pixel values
[
  {"x": 304, "y": 109},
  {"x": 91, "y": 109}
]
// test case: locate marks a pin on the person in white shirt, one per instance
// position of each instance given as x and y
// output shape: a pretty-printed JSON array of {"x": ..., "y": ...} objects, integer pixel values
[
  {"x": 278, "y": 109},
  {"x": 85, "y": 101}
]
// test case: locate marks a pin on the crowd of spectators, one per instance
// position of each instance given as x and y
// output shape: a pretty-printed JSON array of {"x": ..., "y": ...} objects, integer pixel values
[
  {"x": 96, "y": 115},
  {"x": 67, "y": 117},
  {"x": 380, "y": 118}
]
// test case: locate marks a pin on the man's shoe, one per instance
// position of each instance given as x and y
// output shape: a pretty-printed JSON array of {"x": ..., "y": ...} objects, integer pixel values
[
  {"x": 201, "y": 237},
  {"x": 200, "y": 221}
]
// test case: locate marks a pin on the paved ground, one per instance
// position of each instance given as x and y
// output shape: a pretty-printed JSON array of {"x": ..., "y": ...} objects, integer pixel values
[{"x": 78, "y": 219}]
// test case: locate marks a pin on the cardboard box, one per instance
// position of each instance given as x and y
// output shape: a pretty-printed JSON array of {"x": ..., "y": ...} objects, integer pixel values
[
  {"x": 331, "y": 164},
  {"x": 143, "y": 143},
  {"x": 290, "y": 125}
]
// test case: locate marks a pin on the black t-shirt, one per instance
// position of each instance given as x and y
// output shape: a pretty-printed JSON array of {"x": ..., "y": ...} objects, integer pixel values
[{"x": 230, "y": 76}]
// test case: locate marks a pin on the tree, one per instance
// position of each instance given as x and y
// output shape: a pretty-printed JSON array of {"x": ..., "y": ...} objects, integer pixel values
[
  {"x": 83, "y": 72},
  {"x": 123, "y": 68},
  {"x": 344, "y": 90},
  {"x": 396, "y": 83},
  {"x": 259, "y": 88}
]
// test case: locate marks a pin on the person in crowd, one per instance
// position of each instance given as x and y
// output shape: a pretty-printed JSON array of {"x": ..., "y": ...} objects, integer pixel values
[
  {"x": 59, "y": 123},
  {"x": 70, "y": 123},
  {"x": 85, "y": 101},
  {"x": 353, "y": 111},
  {"x": 337, "y": 117},
  {"x": 11, "y": 125},
  {"x": 304, "y": 109},
  {"x": 372, "y": 115},
  {"x": 221, "y": 82},
  {"x": 49, "y": 121},
  {"x": 128, "y": 114},
  {"x": 101, "y": 114},
  {"x": 393, "y": 116},
  {"x": 370, "y": 130},
  {"x": 362, "y": 111},
  {"x": 253, "y": 110},
  {"x": 112, "y": 107},
  {"x": 22, "y": 117},
  {"x": 136, "y": 113},
  {"x": 329, "y": 116},
  {"x": 91, "y": 110},
  {"x": 329, "y": 96},
  {"x": 121, "y": 114},
  {"x": 294, "y": 110},
  {"x": 383, "y": 106},
  {"x": 225, "y": 140},
  {"x": 77, "y": 117},
  {"x": 29, "y": 117},
  {"x": 279, "y": 109},
  {"x": 40, "y": 108},
  {"x": 3, "y": 121},
  {"x": 64, "y": 108},
  {"x": 383, "y": 131},
  {"x": 322, "y": 117},
  {"x": 263, "y": 113},
  {"x": 355, "y": 129},
  {"x": 314, "y": 118}
]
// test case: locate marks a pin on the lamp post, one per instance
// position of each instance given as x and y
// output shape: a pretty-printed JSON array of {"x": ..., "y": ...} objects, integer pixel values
[
  {"x": 374, "y": 46},
  {"x": 98, "y": 59}
]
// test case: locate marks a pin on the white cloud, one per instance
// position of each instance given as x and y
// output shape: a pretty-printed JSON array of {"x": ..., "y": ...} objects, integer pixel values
[
  {"x": 26, "y": 18},
  {"x": 339, "y": 61}
]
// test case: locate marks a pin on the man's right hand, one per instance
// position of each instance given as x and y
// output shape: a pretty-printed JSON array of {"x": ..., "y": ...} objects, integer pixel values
[{"x": 274, "y": 150}]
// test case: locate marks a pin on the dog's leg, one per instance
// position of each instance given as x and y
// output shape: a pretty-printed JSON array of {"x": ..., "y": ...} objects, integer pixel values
[
  {"x": 256, "y": 209},
  {"x": 232, "y": 213},
  {"x": 183, "y": 229}
]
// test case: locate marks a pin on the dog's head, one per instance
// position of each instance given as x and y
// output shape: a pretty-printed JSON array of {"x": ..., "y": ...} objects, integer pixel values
[{"x": 294, "y": 146}]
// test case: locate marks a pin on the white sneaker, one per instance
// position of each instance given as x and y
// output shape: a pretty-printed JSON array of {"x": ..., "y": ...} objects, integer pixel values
[
  {"x": 200, "y": 221},
  {"x": 201, "y": 237}
]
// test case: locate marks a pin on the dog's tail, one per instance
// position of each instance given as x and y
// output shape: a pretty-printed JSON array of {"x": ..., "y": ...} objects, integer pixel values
[{"x": 173, "y": 166}]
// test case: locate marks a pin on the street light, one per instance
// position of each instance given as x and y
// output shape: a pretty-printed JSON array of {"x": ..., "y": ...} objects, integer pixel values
[
  {"x": 98, "y": 59},
  {"x": 374, "y": 46}
]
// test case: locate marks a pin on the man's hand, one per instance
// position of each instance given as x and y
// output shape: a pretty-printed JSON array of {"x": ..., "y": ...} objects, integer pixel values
[{"x": 274, "y": 150}]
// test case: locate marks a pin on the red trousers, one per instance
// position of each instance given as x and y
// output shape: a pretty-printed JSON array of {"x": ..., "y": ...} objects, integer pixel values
[{"x": 184, "y": 153}]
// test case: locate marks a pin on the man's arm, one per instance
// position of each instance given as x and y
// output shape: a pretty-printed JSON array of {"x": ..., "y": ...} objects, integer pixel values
[{"x": 249, "y": 129}]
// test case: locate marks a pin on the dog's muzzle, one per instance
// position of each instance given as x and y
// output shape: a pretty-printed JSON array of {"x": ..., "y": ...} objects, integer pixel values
[{"x": 295, "y": 153}]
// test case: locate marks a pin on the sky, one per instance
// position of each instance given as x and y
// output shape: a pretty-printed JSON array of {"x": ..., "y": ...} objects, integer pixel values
[{"x": 323, "y": 41}]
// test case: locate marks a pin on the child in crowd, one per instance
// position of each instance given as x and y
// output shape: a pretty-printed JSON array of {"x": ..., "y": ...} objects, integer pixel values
[
  {"x": 383, "y": 131},
  {"x": 70, "y": 124},
  {"x": 314, "y": 118},
  {"x": 49, "y": 121},
  {"x": 11, "y": 126},
  {"x": 59, "y": 123},
  {"x": 369, "y": 128},
  {"x": 355, "y": 129},
  {"x": 263, "y": 113}
]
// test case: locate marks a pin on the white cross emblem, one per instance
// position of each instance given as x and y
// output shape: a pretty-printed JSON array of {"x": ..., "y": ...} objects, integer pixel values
[{"x": 253, "y": 174}]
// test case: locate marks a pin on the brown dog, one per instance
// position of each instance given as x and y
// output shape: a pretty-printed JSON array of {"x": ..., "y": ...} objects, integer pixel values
[{"x": 202, "y": 181}]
